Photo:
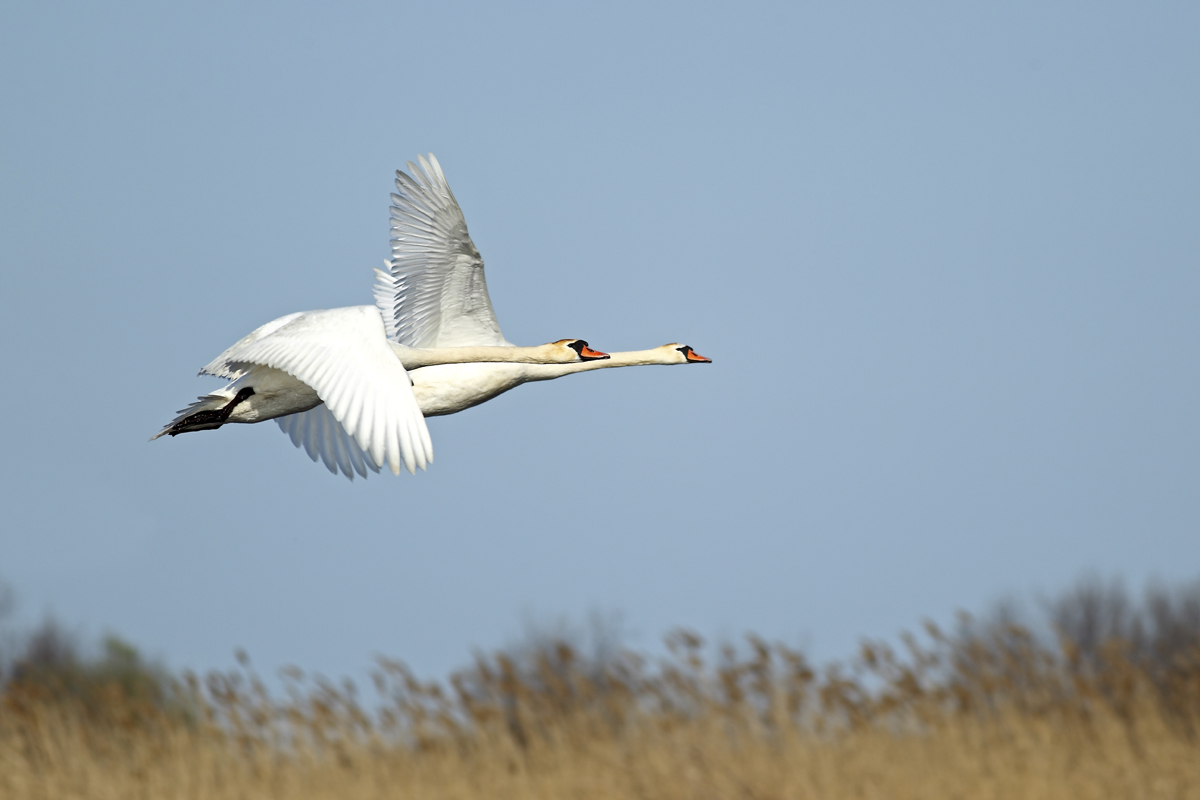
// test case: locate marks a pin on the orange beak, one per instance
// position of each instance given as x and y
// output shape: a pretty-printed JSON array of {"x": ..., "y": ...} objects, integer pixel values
[
  {"x": 692, "y": 355},
  {"x": 588, "y": 354}
]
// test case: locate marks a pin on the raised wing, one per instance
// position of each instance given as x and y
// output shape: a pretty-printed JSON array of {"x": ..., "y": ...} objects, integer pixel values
[
  {"x": 324, "y": 438},
  {"x": 434, "y": 293},
  {"x": 343, "y": 355}
]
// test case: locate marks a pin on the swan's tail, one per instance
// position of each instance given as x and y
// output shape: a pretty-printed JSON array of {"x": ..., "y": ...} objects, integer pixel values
[{"x": 206, "y": 414}]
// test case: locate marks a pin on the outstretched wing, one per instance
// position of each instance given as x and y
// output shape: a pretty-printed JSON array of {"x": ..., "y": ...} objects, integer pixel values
[
  {"x": 434, "y": 293},
  {"x": 343, "y": 355}
]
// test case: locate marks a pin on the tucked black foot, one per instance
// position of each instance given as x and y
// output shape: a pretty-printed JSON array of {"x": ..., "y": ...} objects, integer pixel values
[{"x": 211, "y": 419}]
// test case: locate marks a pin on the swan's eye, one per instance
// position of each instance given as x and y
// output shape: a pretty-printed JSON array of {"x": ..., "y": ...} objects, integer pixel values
[{"x": 685, "y": 350}]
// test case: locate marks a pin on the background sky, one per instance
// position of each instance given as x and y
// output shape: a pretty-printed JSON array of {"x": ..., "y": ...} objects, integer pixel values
[{"x": 945, "y": 258}]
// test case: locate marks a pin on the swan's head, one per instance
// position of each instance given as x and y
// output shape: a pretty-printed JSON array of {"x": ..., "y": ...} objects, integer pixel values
[
  {"x": 582, "y": 351},
  {"x": 683, "y": 354}
]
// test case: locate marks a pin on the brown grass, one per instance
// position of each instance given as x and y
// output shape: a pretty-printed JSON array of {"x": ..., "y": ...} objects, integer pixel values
[{"x": 990, "y": 714}]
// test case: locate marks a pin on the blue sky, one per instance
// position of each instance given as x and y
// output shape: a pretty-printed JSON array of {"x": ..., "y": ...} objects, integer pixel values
[{"x": 945, "y": 258}]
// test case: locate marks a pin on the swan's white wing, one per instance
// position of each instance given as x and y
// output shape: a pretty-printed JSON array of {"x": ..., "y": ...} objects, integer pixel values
[
  {"x": 434, "y": 294},
  {"x": 324, "y": 438},
  {"x": 343, "y": 355}
]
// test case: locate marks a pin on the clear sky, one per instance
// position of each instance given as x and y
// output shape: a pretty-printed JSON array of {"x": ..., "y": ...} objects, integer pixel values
[{"x": 945, "y": 258}]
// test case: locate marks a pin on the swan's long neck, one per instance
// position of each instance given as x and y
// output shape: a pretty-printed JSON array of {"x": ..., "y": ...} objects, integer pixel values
[
  {"x": 416, "y": 357},
  {"x": 629, "y": 358},
  {"x": 450, "y": 389}
]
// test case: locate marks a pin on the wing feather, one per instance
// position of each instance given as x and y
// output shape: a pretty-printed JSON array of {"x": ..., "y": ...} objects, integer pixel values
[
  {"x": 434, "y": 293},
  {"x": 328, "y": 449},
  {"x": 317, "y": 429}
]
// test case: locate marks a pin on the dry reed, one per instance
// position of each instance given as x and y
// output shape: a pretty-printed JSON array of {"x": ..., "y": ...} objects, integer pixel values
[{"x": 991, "y": 714}]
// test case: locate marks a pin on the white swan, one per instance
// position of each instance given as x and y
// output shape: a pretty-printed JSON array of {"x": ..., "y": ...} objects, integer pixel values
[{"x": 434, "y": 295}]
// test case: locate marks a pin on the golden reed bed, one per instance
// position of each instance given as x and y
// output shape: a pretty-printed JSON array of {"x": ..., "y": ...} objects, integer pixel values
[{"x": 986, "y": 715}]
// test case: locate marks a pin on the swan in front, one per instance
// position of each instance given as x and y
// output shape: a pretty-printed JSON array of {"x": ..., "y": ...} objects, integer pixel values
[{"x": 433, "y": 295}]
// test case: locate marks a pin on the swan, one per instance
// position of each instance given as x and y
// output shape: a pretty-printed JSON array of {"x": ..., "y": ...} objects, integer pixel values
[{"x": 433, "y": 295}]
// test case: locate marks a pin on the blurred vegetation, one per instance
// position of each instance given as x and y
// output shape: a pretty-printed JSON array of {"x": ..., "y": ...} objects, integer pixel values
[
  {"x": 50, "y": 667},
  {"x": 1100, "y": 699}
]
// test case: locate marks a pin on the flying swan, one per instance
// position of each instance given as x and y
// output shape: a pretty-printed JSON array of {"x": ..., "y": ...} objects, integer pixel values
[{"x": 352, "y": 385}]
